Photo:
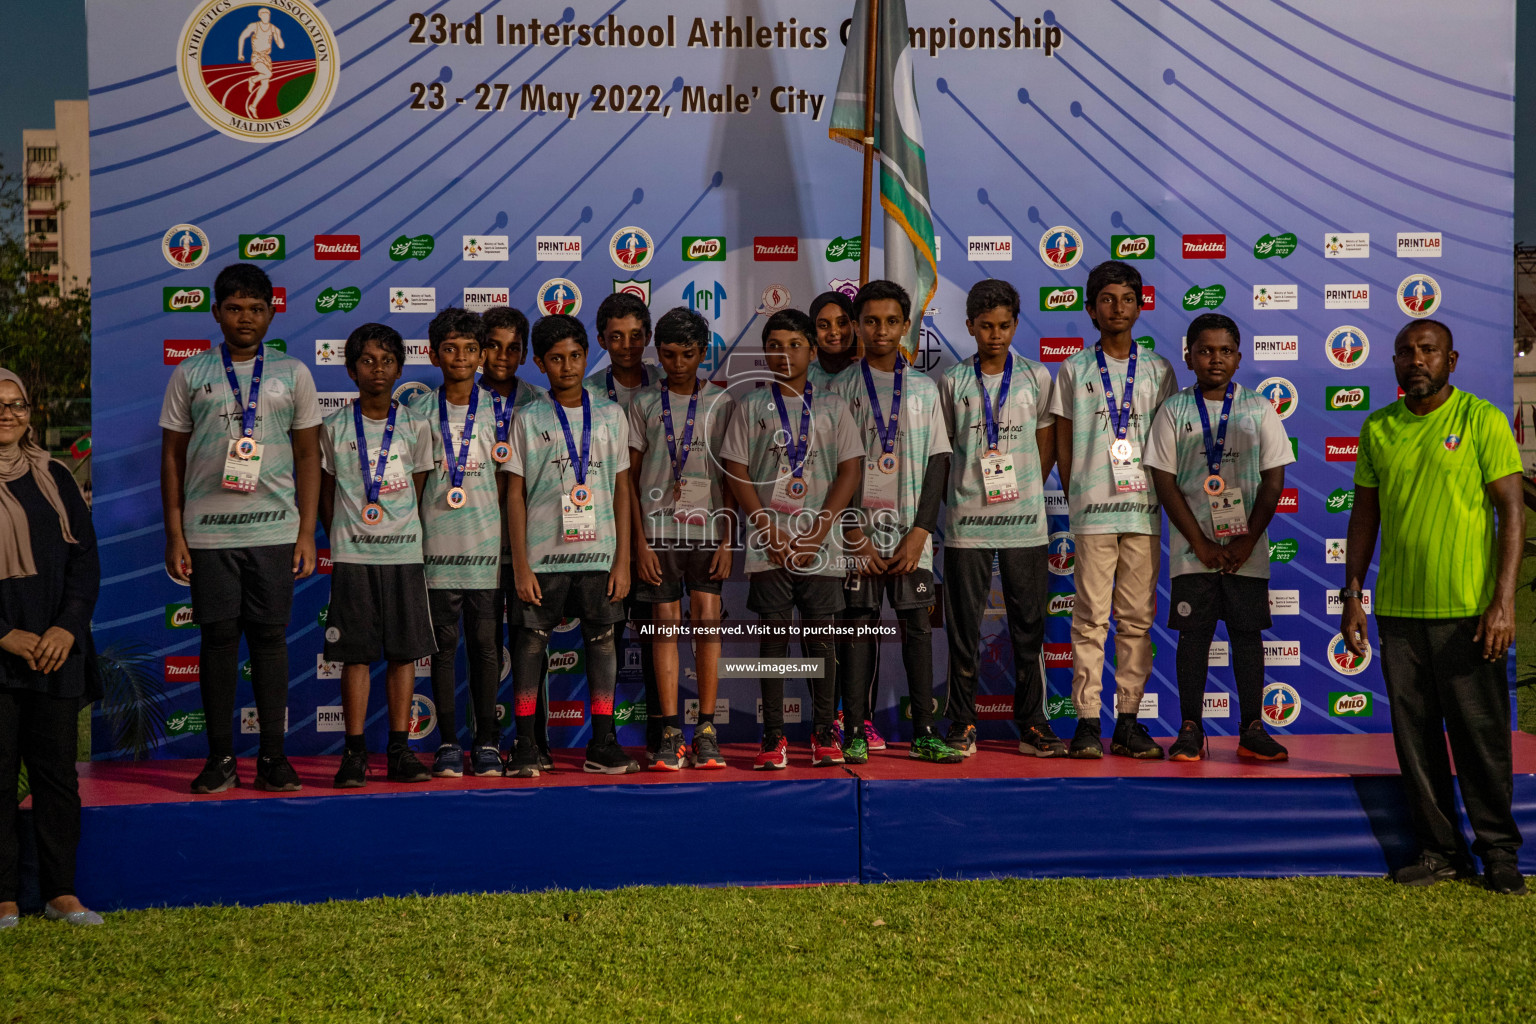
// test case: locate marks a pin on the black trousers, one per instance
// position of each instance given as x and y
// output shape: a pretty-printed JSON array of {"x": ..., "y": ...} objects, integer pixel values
[
  {"x": 967, "y": 582},
  {"x": 1440, "y": 686},
  {"x": 480, "y": 610},
  {"x": 541, "y": 716},
  {"x": 39, "y": 730}
]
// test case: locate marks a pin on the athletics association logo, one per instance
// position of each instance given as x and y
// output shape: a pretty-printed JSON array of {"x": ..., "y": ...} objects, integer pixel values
[
  {"x": 1281, "y": 394},
  {"x": 1348, "y": 347},
  {"x": 1282, "y": 705},
  {"x": 631, "y": 248},
  {"x": 258, "y": 72},
  {"x": 1061, "y": 247},
  {"x": 558, "y": 295},
  {"x": 1344, "y": 661},
  {"x": 1451, "y": 442},
  {"x": 423, "y": 715},
  {"x": 184, "y": 246},
  {"x": 1062, "y": 554},
  {"x": 1418, "y": 295}
]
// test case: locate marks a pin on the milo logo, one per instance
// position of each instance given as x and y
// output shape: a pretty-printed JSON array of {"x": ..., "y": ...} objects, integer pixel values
[
  {"x": 408, "y": 247},
  {"x": 178, "y": 616},
  {"x": 1351, "y": 705},
  {"x": 1060, "y": 604},
  {"x": 696, "y": 248},
  {"x": 1133, "y": 247},
  {"x": 1348, "y": 398},
  {"x": 1208, "y": 297},
  {"x": 564, "y": 661},
  {"x": 262, "y": 247},
  {"x": 1275, "y": 245},
  {"x": 1060, "y": 707},
  {"x": 343, "y": 300},
  {"x": 186, "y": 723},
  {"x": 186, "y": 300},
  {"x": 1341, "y": 500},
  {"x": 1284, "y": 550},
  {"x": 844, "y": 249},
  {"x": 1061, "y": 298}
]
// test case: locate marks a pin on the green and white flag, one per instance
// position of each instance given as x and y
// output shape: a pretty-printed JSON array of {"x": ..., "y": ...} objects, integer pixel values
[{"x": 909, "y": 259}]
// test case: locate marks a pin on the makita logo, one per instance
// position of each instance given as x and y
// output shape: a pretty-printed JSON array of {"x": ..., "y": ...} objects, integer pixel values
[
  {"x": 1058, "y": 655},
  {"x": 1289, "y": 502},
  {"x": 775, "y": 248},
  {"x": 176, "y": 351},
  {"x": 1054, "y": 350},
  {"x": 992, "y": 707},
  {"x": 567, "y": 712},
  {"x": 1205, "y": 247},
  {"x": 323, "y": 561},
  {"x": 1341, "y": 449},
  {"x": 338, "y": 247},
  {"x": 181, "y": 670}
]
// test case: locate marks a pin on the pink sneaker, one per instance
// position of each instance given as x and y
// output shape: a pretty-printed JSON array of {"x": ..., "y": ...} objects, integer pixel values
[{"x": 872, "y": 736}]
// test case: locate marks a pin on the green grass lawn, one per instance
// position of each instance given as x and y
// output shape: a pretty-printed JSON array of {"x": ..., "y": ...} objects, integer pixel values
[{"x": 1191, "y": 950}]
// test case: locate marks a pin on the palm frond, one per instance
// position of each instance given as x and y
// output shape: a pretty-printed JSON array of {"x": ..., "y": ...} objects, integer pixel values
[{"x": 133, "y": 698}]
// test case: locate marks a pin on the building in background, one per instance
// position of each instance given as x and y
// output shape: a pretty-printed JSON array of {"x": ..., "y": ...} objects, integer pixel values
[
  {"x": 1525, "y": 355},
  {"x": 57, "y": 196}
]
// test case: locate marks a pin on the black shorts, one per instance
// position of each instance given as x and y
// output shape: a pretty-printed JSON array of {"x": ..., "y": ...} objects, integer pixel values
[
  {"x": 571, "y": 595},
  {"x": 684, "y": 565},
  {"x": 254, "y": 584},
  {"x": 912, "y": 590},
  {"x": 378, "y": 613},
  {"x": 777, "y": 593},
  {"x": 1198, "y": 599}
]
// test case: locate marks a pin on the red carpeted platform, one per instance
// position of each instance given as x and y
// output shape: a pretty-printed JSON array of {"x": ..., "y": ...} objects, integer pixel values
[{"x": 1334, "y": 808}]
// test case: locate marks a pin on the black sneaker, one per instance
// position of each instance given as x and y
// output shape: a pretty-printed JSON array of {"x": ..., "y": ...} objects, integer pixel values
[
  {"x": 218, "y": 774},
  {"x": 961, "y": 738},
  {"x": 546, "y": 763},
  {"x": 1429, "y": 869},
  {"x": 1502, "y": 875},
  {"x": 1260, "y": 745},
  {"x": 523, "y": 762},
  {"x": 1190, "y": 746},
  {"x": 353, "y": 773},
  {"x": 1041, "y": 741},
  {"x": 404, "y": 766},
  {"x": 1086, "y": 743},
  {"x": 276, "y": 775},
  {"x": 1131, "y": 739},
  {"x": 606, "y": 757}
]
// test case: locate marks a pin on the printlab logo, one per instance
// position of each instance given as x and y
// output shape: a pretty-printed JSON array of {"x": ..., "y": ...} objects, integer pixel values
[
  {"x": 1060, "y": 299},
  {"x": 259, "y": 73},
  {"x": 263, "y": 247},
  {"x": 1274, "y": 245},
  {"x": 1418, "y": 295},
  {"x": 1061, "y": 554},
  {"x": 1133, "y": 247},
  {"x": 1348, "y": 347},
  {"x": 631, "y": 248},
  {"x": 557, "y": 248},
  {"x": 1422, "y": 244},
  {"x": 704, "y": 248},
  {"x": 489, "y": 248},
  {"x": 1060, "y": 248},
  {"x": 559, "y": 295},
  {"x": 411, "y": 247},
  {"x": 184, "y": 246},
  {"x": 1282, "y": 705},
  {"x": 478, "y": 300},
  {"x": 1343, "y": 660},
  {"x": 1346, "y": 296},
  {"x": 989, "y": 248},
  {"x": 1281, "y": 394},
  {"x": 1276, "y": 347}
]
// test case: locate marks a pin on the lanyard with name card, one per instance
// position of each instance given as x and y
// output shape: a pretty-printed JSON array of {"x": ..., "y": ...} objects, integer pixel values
[
  {"x": 1228, "y": 517},
  {"x": 999, "y": 484},
  {"x": 690, "y": 495},
  {"x": 613, "y": 392},
  {"x": 880, "y": 477},
  {"x": 242, "y": 462},
  {"x": 374, "y": 480},
  {"x": 456, "y": 465},
  {"x": 501, "y": 451},
  {"x": 1124, "y": 452},
  {"x": 578, "y": 514},
  {"x": 789, "y": 489}
]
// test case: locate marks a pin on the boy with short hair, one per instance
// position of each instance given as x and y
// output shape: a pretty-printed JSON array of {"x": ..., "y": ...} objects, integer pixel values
[
  {"x": 1104, "y": 399},
  {"x": 240, "y": 483},
  {"x": 836, "y": 344},
  {"x": 997, "y": 408},
  {"x": 1218, "y": 455},
  {"x": 505, "y": 348},
  {"x": 461, "y": 531},
  {"x": 375, "y": 455},
  {"x": 684, "y": 527},
  {"x": 906, "y": 445},
  {"x": 568, "y": 508},
  {"x": 792, "y": 456}
]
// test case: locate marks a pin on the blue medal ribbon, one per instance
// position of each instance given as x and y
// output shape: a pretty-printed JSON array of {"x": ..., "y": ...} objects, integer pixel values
[
  {"x": 579, "y": 458},
  {"x": 679, "y": 455},
  {"x": 613, "y": 395},
  {"x": 456, "y": 465},
  {"x": 1214, "y": 449},
  {"x": 372, "y": 482},
  {"x": 1119, "y": 415},
  {"x": 886, "y": 429},
  {"x": 503, "y": 409},
  {"x": 990, "y": 419},
  {"x": 247, "y": 408},
  {"x": 795, "y": 451}
]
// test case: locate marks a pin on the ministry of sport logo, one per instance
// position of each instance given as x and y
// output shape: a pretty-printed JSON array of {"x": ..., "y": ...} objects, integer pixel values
[{"x": 258, "y": 71}]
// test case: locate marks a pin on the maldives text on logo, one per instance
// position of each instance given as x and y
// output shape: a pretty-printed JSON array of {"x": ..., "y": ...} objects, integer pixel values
[
  {"x": 1342, "y": 246},
  {"x": 1423, "y": 244},
  {"x": 411, "y": 247},
  {"x": 1347, "y": 398},
  {"x": 186, "y": 300},
  {"x": 1205, "y": 247},
  {"x": 1346, "y": 296},
  {"x": 1282, "y": 705},
  {"x": 1275, "y": 347},
  {"x": 1418, "y": 295},
  {"x": 184, "y": 246},
  {"x": 631, "y": 248},
  {"x": 1061, "y": 299},
  {"x": 775, "y": 248},
  {"x": 263, "y": 247},
  {"x": 1281, "y": 394},
  {"x": 1055, "y": 350},
  {"x": 557, "y": 248},
  {"x": 1133, "y": 247},
  {"x": 1275, "y": 245},
  {"x": 989, "y": 248},
  {"x": 1061, "y": 554},
  {"x": 177, "y": 350},
  {"x": 1060, "y": 247},
  {"x": 478, "y": 300},
  {"x": 1352, "y": 705},
  {"x": 338, "y": 247},
  {"x": 232, "y": 78},
  {"x": 1348, "y": 347},
  {"x": 1274, "y": 296},
  {"x": 558, "y": 295},
  {"x": 701, "y": 248},
  {"x": 485, "y": 247},
  {"x": 1343, "y": 660},
  {"x": 413, "y": 300}
]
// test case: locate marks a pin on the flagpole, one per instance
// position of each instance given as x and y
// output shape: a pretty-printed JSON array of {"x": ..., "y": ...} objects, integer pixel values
[{"x": 870, "y": 54}]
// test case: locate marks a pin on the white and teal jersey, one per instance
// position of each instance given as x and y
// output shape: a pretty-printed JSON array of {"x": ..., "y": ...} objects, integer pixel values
[
  {"x": 461, "y": 546},
  {"x": 597, "y": 384},
  {"x": 753, "y": 439},
  {"x": 198, "y": 402},
  {"x": 653, "y": 464},
  {"x": 1094, "y": 504},
  {"x": 540, "y": 456},
  {"x": 920, "y": 435},
  {"x": 1256, "y": 441},
  {"x": 396, "y": 540},
  {"x": 819, "y": 376},
  {"x": 523, "y": 394},
  {"x": 969, "y": 522}
]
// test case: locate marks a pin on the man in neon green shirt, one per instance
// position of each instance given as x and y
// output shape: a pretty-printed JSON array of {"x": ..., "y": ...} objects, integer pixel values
[{"x": 1432, "y": 472}]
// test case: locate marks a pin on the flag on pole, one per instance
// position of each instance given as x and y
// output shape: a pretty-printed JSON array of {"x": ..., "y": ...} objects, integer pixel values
[{"x": 909, "y": 259}]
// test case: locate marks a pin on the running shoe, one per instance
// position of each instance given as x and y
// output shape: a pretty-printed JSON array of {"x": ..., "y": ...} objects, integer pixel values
[
  {"x": 825, "y": 750},
  {"x": 774, "y": 755},
  {"x": 1260, "y": 745},
  {"x": 1041, "y": 741},
  {"x": 1131, "y": 739},
  {"x": 961, "y": 738},
  {"x": 876, "y": 741},
  {"x": 1190, "y": 746},
  {"x": 546, "y": 762},
  {"x": 706, "y": 747},
  {"x": 929, "y": 746},
  {"x": 673, "y": 753},
  {"x": 276, "y": 775},
  {"x": 1429, "y": 869},
  {"x": 485, "y": 762},
  {"x": 449, "y": 762},
  {"x": 606, "y": 757},
  {"x": 218, "y": 774},
  {"x": 1502, "y": 875},
  {"x": 404, "y": 766},
  {"x": 837, "y": 728},
  {"x": 353, "y": 773},
  {"x": 1086, "y": 742},
  {"x": 523, "y": 761},
  {"x": 856, "y": 751}
]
